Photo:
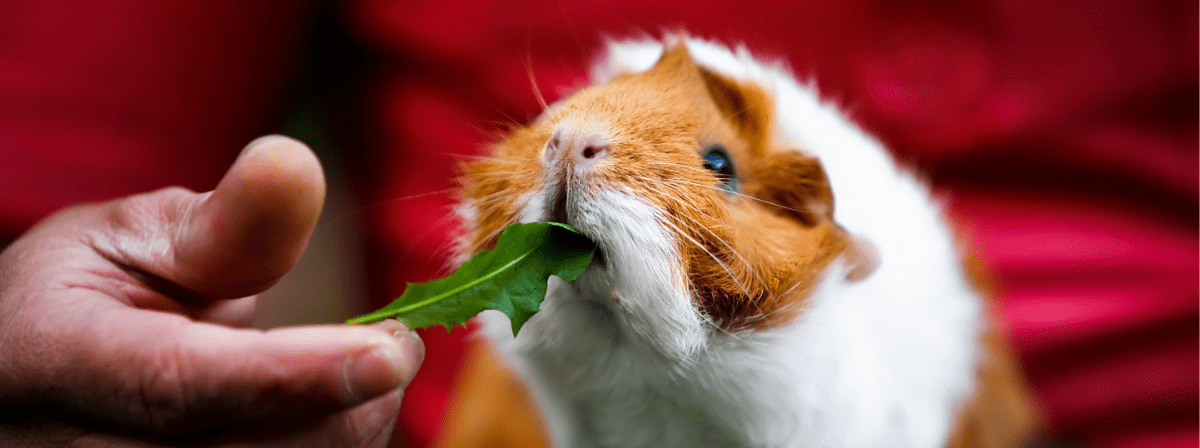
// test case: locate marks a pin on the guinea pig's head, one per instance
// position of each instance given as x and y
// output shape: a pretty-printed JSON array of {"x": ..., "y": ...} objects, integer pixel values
[{"x": 705, "y": 225}]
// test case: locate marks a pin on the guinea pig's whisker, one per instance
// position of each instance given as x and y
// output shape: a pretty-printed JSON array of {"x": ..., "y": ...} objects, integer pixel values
[
  {"x": 496, "y": 176},
  {"x": 499, "y": 161},
  {"x": 792, "y": 288},
  {"x": 750, "y": 268},
  {"x": 714, "y": 324},
  {"x": 528, "y": 61},
  {"x": 486, "y": 202},
  {"x": 736, "y": 253},
  {"x": 735, "y": 194},
  {"x": 442, "y": 248},
  {"x": 711, "y": 255},
  {"x": 679, "y": 200},
  {"x": 678, "y": 165},
  {"x": 386, "y": 202},
  {"x": 731, "y": 277},
  {"x": 697, "y": 226},
  {"x": 494, "y": 233}
]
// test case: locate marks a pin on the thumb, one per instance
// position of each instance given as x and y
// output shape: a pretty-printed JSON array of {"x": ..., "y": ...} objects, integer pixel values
[{"x": 240, "y": 238}]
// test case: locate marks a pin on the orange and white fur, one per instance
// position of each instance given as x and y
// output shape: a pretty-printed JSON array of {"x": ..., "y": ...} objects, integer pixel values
[{"x": 810, "y": 295}]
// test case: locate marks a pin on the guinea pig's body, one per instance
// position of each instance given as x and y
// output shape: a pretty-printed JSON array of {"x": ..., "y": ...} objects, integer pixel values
[{"x": 734, "y": 304}]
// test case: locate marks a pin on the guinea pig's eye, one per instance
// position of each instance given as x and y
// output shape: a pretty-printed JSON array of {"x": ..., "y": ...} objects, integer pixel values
[{"x": 717, "y": 160}]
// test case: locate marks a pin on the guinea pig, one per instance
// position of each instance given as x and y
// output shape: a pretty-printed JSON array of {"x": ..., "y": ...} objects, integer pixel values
[{"x": 765, "y": 277}]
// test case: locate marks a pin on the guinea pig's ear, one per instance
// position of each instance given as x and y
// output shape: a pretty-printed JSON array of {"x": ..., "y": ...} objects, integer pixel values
[
  {"x": 794, "y": 183},
  {"x": 675, "y": 65},
  {"x": 744, "y": 105}
]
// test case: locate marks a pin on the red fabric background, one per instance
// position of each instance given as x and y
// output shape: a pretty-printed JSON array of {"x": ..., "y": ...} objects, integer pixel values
[
  {"x": 1063, "y": 134},
  {"x": 104, "y": 99}
]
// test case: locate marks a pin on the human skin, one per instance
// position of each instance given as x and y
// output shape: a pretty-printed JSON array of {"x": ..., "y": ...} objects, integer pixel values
[{"x": 123, "y": 323}]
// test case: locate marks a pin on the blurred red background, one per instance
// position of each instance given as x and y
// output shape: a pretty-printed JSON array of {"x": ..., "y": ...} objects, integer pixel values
[{"x": 1063, "y": 135}]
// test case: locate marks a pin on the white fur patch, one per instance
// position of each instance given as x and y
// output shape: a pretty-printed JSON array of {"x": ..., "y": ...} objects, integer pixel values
[{"x": 883, "y": 362}]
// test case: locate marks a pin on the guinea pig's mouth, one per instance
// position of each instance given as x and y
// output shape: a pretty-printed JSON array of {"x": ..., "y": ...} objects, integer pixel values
[
  {"x": 599, "y": 260},
  {"x": 558, "y": 213}
]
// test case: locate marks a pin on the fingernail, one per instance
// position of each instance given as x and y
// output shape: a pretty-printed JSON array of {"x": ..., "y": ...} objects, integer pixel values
[
  {"x": 390, "y": 326},
  {"x": 413, "y": 347},
  {"x": 375, "y": 372},
  {"x": 410, "y": 344}
]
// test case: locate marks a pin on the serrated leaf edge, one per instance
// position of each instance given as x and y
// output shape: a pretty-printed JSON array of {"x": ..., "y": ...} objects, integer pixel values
[
  {"x": 437, "y": 298},
  {"x": 384, "y": 313},
  {"x": 433, "y": 300}
]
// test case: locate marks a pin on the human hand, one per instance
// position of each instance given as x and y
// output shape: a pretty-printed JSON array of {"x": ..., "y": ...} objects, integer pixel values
[{"x": 117, "y": 323}]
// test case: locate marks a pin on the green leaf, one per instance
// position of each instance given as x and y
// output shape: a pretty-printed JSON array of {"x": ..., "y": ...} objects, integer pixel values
[{"x": 510, "y": 278}]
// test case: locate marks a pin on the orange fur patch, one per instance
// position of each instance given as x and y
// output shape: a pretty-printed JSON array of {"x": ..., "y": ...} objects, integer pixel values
[
  {"x": 490, "y": 406},
  {"x": 1002, "y": 411}
]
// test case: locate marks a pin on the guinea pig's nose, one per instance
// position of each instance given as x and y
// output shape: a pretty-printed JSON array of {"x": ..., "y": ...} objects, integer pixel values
[{"x": 585, "y": 149}]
